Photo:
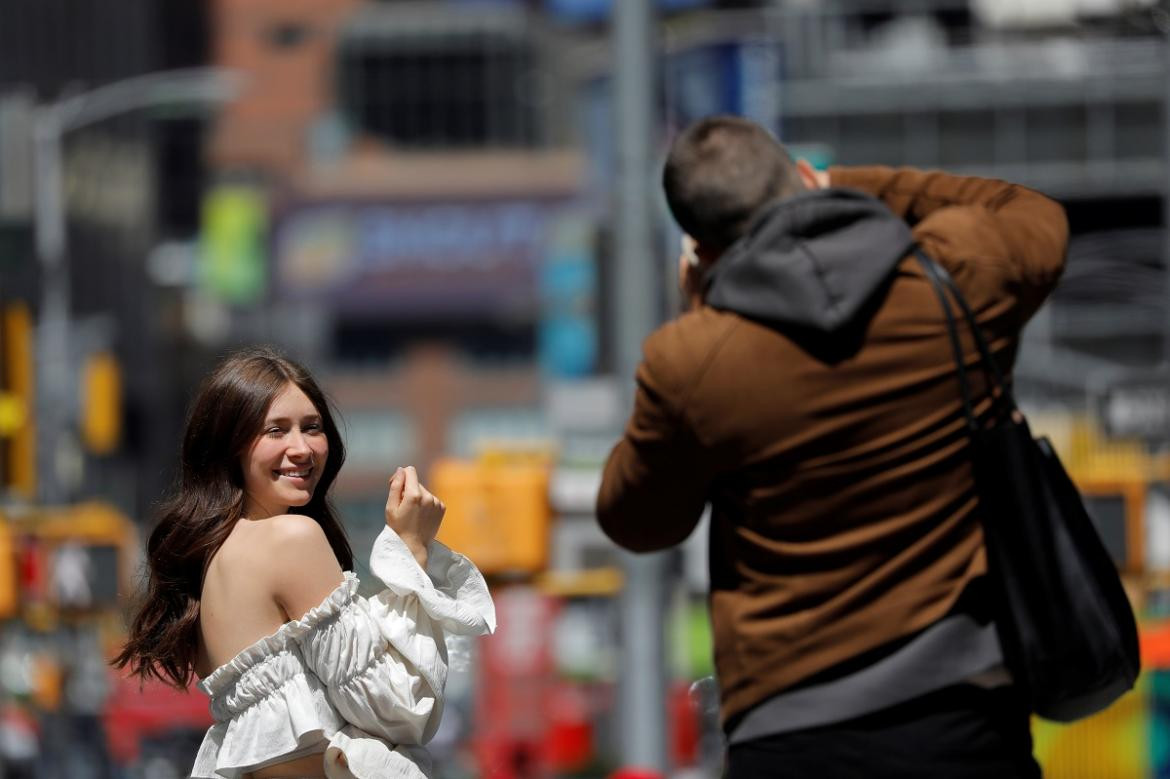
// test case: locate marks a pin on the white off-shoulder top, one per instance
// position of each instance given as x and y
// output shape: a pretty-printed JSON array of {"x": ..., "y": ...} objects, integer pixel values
[{"x": 360, "y": 679}]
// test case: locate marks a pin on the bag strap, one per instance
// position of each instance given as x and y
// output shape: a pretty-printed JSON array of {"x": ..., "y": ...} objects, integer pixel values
[
  {"x": 953, "y": 332},
  {"x": 942, "y": 283}
]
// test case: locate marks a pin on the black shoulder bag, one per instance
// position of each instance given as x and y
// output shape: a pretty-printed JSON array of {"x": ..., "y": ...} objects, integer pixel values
[{"x": 1066, "y": 626}]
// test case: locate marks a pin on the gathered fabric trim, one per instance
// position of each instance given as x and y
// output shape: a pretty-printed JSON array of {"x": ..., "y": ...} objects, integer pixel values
[
  {"x": 228, "y": 716},
  {"x": 270, "y": 647},
  {"x": 304, "y": 724}
]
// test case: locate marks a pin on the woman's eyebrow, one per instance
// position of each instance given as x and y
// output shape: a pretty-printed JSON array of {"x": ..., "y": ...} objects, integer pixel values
[{"x": 277, "y": 420}]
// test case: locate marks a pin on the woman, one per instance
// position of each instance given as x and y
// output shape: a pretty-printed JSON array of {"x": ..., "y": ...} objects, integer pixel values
[{"x": 251, "y": 589}]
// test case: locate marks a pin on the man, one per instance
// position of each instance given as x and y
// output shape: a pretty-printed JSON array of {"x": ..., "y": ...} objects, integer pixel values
[{"x": 810, "y": 396}]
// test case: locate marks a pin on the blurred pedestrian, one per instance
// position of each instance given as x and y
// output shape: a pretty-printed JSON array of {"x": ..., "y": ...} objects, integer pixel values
[
  {"x": 251, "y": 588},
  {"x": 809, "y": 394}
]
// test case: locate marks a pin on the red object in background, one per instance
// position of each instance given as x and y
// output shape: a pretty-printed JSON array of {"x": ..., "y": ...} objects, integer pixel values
[
  {"x": 1155, "y": 645},
  {"x": 634, "y": 772},
  {"x": 515, "y": 688},
  {"x": 569, "y": 745},
  {"x": 684, "y": 724},
  {"x": 132, "y": 714},
  {"x": 19, "y": 727},
  {"x": 31, "y": 566}
]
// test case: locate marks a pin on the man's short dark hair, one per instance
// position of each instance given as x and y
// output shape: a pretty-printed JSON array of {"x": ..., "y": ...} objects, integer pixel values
[{"x": 719, "y": 172}]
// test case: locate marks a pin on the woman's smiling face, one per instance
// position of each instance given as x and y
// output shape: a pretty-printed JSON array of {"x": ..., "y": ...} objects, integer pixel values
[{"x": 287, "y": 458}]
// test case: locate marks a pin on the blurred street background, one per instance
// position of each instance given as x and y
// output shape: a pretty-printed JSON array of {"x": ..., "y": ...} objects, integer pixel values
[{"x": 449, "y": 210}]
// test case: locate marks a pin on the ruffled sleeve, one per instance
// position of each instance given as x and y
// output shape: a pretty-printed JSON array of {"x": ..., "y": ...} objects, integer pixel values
[{"x": 383, "y": 660}]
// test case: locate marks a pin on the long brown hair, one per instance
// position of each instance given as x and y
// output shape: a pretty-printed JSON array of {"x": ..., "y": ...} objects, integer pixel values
[{"x": 224, "y": 419}]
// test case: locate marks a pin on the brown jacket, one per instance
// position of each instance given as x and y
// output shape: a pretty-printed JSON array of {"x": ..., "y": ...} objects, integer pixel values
[{"x": 833, "y": 454}]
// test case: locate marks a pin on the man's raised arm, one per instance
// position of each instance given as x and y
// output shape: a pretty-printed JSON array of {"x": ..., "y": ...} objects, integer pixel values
[
  {"x": 655, "y": 482},
  {"x": 1009, "y": 223}
]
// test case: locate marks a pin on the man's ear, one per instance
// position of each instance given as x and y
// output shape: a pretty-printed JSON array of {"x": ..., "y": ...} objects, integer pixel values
[{"x": 812, "y": 178}]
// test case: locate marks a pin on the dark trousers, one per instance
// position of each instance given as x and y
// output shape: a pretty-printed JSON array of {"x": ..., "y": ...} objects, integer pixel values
[{"x": 954, "y": 733}]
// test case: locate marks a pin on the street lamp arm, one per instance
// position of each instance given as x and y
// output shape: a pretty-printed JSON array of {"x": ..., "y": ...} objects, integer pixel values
[
  {"x": 212, "y": 86},
  {"x": 195, "y": 87}
]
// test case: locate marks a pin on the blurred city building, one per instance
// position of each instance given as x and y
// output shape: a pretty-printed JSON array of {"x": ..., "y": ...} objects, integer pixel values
[{"x": 415, "y": 198}]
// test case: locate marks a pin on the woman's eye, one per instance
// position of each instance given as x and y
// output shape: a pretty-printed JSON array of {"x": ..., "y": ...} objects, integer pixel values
[
  {"x": 313, "y": 427},
  {"x": 273, "y": 431}
]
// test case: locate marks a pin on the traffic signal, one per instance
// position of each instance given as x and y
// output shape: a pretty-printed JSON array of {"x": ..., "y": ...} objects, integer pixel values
[
  {"x": 17, "y": 400},
  {"x": 9, "y": 583},
  {"x": 497, "y": 512},
  {"x": 101, "y": 403}
]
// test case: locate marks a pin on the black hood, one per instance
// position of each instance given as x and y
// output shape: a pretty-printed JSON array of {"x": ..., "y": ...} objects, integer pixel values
[{"x": 812, "y": 260}]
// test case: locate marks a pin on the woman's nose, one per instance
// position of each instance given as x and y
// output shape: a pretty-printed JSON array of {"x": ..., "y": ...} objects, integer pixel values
[{"x": 297, "y": 443}]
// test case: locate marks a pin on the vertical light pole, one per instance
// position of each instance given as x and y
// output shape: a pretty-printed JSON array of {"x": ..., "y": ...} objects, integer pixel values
[
  {"x": 53, "y": 328},
  {"x": 184, "y": 88},
  {"x": 1165, "y": 29},
  {"x": 643, "y": 683}
]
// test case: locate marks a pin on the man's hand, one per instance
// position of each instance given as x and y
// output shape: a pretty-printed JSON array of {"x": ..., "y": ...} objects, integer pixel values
[
  {"x": 690, "y": 274},
  {"x": 812, "y": 178}
]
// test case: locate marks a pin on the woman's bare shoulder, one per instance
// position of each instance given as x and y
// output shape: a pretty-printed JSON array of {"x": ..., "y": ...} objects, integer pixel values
[
  {"x": 299, "y": 562},
  {"x": 296, "y": 529},
  {"x": 264, "y": 548}
]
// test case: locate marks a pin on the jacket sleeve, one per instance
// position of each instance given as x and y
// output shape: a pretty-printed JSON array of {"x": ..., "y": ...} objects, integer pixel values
[
  {"x": 655, "y": 483},
  {"x": 383, "y": 660},
  {"x": 1005, "y": 238}
]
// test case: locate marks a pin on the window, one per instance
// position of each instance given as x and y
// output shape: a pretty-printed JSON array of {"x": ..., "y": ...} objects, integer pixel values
[{"x": 441, "y": 80}]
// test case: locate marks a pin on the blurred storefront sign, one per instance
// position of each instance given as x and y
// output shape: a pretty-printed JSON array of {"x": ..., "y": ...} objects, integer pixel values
[
  {"x": 1137, "y": 406},
  {"x": 569, "y": 337},
  {"x": 232, "y": 261},
  {"x": 406, "y": 258},
  {"x": 109, "y": 182}
]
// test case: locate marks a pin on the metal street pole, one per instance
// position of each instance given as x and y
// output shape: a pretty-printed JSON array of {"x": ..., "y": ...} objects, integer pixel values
[
  {"x": 1166, "y": 192},
  {"x": 643, "y": 678},
  {"x": 58, "y": 397},
  {"x": 53, "y": 335}
]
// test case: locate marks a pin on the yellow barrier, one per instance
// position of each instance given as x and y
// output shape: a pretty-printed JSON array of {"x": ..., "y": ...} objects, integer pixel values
[{"x": 1114, "y": 744}]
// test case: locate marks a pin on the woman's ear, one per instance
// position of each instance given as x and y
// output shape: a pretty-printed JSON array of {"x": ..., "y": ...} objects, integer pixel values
[{"x": 812, "y": 178}]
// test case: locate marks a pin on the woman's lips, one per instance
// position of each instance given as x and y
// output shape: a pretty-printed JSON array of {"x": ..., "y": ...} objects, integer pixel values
[{"x": 300, "y": 476}]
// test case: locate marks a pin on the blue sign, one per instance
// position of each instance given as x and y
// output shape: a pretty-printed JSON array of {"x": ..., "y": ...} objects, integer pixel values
[
  {"x": 719, "y": 77},
  {"x": 571, "y": 11},
  {"x": 568, "y": 334},
  {"x": 406, "y": 258},
  {"x": 734, "y": 77}
]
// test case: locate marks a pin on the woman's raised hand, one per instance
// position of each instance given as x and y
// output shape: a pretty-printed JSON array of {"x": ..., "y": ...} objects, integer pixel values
[{"x": 412, "y": 512}]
